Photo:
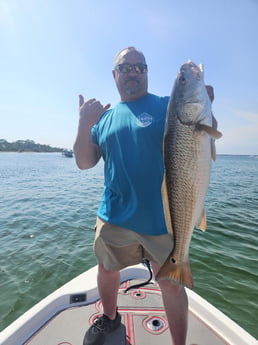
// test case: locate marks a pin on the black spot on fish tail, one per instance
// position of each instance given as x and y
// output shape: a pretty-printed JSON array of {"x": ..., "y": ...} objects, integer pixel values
[{"x": 178, "y": 272}]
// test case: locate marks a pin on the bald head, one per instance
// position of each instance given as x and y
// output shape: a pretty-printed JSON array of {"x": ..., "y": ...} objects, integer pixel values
[
  {"x": 131, "y": 82},
  {"x": 120, "y": 55}
]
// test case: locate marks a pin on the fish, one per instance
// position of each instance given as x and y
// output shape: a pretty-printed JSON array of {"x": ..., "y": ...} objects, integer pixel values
[{"x": 188, "y": 150}]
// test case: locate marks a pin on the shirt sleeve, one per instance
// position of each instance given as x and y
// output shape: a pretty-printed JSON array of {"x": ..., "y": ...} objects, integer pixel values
[{"x": 94, "y": 137}]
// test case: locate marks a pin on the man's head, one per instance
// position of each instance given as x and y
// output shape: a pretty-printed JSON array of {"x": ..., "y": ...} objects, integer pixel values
[{"x": 130, "y": 74}]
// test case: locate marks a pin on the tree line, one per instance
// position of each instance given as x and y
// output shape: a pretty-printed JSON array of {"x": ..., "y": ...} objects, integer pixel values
[{"x": 26, "y": 146}]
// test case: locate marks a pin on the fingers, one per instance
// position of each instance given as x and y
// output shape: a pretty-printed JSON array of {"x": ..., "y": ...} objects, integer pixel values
[
  {"x": 107, "y": 106},
  {"x": 91, "y": 110},
  {"x": 82, "y": 101},
  {"x": 93, "y": 103}
]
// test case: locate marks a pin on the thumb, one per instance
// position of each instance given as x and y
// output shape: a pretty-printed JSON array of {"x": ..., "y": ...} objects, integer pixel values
[{"x": 81, "y": 100}]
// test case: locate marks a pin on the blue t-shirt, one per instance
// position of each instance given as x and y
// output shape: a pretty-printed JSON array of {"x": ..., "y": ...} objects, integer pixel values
[{"x": 130, "y": 138}]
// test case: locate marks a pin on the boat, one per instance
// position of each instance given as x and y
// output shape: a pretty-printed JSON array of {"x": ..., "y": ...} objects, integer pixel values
[
  {"x": 67, "y": 153},
  {"x": 63, "y": 317}
]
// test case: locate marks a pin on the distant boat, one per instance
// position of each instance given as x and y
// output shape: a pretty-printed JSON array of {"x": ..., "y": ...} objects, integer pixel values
[{"x": 67, "y": 153}]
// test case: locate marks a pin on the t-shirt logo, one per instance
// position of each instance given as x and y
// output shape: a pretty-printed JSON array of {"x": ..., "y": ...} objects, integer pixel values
[{"x": 144, "y": 120}]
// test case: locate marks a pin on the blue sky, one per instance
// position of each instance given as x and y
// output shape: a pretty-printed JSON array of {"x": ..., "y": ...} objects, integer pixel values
[{"x": 52, "y": 50}]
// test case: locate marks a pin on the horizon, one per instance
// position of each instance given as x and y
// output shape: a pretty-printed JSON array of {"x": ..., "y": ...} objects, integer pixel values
[{"x": 65, "y": 148}]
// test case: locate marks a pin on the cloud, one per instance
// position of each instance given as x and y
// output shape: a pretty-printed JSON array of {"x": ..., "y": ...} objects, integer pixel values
[{"x": 241, "y": 136}]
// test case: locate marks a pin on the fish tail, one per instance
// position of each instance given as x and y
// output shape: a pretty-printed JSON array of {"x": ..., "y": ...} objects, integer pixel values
[{"x": 179, "y": 273}]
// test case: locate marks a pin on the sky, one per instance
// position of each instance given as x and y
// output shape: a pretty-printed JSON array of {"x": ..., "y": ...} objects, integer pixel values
[{"x": 53, "y": 50}]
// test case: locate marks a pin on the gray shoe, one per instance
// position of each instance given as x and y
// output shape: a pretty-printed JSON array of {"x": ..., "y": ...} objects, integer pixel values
[{"x": 102, "y": 326}]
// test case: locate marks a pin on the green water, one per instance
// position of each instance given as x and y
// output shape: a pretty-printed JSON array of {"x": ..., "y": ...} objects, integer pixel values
[{"x": 47, "y": 215}]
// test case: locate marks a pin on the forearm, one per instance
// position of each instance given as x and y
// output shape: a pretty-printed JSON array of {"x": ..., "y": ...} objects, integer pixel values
[{"x": 86, "y": 153}]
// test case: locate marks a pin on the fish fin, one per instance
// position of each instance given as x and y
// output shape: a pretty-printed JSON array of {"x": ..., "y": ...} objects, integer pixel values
[
  {"x": 164, "y": 193},
  {"x": 213, "y": 132},
  {"x": 213, "y": 150},
  {"x": 202, "y": 223},
  {"x": 179, "y": 273},
  {"x": 213, "y": 147},
  {"x": 214, "y": 122}
]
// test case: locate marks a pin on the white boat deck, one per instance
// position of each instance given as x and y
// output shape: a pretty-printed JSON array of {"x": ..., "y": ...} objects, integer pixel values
[
  {"x": 63, "y": 317},
  {"x": 143, "y": 322}
]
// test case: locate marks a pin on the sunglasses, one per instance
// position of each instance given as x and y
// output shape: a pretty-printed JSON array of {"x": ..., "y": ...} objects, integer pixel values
[{"x": 138, "y": 68}]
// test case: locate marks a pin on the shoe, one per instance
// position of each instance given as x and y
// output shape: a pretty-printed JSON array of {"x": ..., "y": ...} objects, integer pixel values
[{"x": 102, "y": 326}]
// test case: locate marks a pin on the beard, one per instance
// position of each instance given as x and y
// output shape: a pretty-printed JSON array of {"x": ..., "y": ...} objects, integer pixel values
[{"x": 132, "y": 86}]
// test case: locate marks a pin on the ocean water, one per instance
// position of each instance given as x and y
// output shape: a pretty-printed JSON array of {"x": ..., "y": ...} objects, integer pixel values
[{"x": 47, "y": 216}]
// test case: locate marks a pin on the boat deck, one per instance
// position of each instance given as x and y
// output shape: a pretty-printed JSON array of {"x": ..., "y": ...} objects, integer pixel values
[
  {"x": 143, "y": 322},
  {"x": 63, "y": 317}
]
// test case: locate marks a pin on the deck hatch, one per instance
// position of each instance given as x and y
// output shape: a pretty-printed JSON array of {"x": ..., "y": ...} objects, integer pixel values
[{"x": 78, "y": 298}]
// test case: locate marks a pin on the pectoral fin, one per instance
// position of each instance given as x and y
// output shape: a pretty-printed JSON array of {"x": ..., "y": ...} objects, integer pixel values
[
  {"x": 214, "y": 122},
  {"x": 202, "y": 222},
  {"x": 214, "y": 133}
]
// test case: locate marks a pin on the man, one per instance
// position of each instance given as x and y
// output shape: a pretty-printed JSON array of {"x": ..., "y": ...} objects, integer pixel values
[{"x": 130, "y": 223}]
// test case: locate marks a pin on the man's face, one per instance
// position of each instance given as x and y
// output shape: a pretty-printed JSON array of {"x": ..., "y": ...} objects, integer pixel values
[{"x": 131, "y": 83}]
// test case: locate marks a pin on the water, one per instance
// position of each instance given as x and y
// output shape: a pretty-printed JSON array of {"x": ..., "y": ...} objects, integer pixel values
[{"x": 47, "y": 215}]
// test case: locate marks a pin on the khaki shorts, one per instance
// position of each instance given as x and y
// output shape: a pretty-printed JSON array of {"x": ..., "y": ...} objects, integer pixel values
[{"x": 116, "y": 248}]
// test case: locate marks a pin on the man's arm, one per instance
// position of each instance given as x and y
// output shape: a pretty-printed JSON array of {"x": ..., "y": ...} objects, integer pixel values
[{"x": 86, "y": 153}]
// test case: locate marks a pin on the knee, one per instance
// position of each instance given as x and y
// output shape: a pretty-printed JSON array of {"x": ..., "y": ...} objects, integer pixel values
[{"x": 103, "y": 271}]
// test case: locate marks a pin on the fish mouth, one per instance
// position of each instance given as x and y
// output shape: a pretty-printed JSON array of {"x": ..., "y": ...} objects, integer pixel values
[{"x": 190, "y": 67}]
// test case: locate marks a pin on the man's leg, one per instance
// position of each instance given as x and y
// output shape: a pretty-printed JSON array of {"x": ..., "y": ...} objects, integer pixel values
[
  {"x": 176, "y": 305},
  {"x": 108, "y": 285}
]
